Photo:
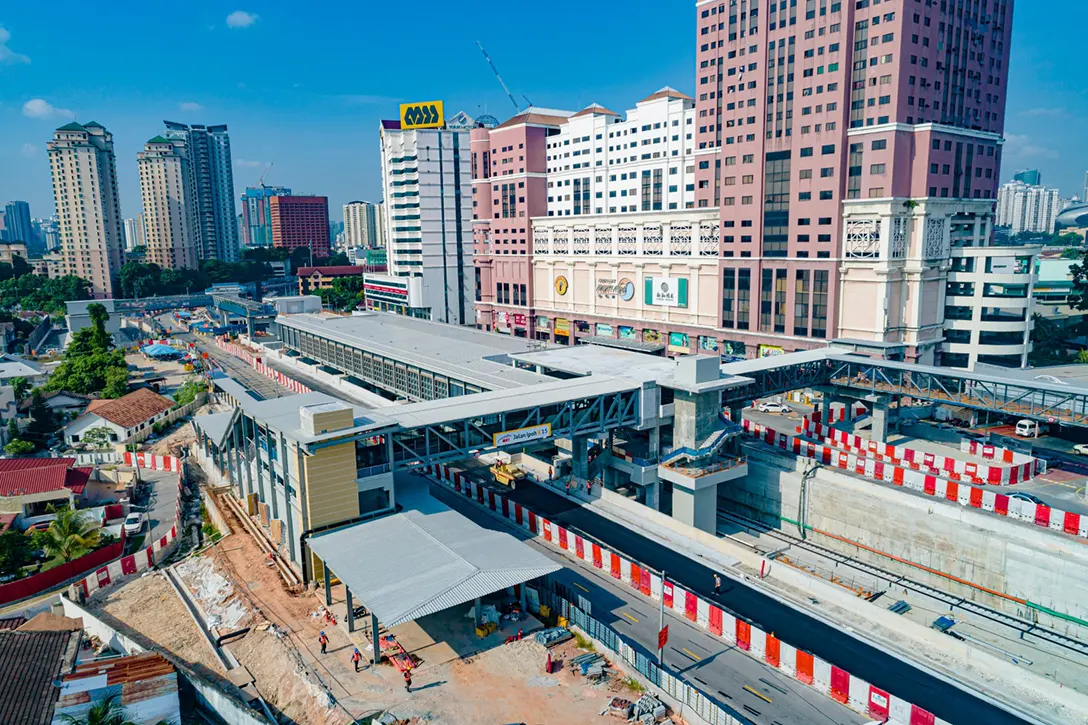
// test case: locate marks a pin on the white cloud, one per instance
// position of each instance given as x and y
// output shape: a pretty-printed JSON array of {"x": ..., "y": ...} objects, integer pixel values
[
  {"x": 190, "y": 106},
  {"x": 248, "y": 163},
  {"x": 7, "y": 55},
  {"x": 1024, "y": 148},
  {"x": 41, "y": 108},
  {"x": 28, "y": 150},
  {"x": 241, "y": 19},
  {"x": 1042, "y": 112}
]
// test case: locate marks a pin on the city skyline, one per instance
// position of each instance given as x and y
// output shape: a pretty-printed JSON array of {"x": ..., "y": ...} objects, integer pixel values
[{"x": 297, "y": 118}]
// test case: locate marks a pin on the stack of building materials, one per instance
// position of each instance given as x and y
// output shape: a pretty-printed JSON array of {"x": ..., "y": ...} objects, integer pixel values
[
  {"x": 648, "y": 710},
  {"x": 590, "y": 665},
  {"x": 553, "y": 636}
]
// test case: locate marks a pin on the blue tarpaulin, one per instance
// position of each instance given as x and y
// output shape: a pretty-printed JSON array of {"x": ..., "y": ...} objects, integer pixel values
[{"x": 159, "y": 350}]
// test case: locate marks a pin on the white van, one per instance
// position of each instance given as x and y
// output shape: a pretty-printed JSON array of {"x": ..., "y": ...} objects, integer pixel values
[{"x": 1030, "y": 429}]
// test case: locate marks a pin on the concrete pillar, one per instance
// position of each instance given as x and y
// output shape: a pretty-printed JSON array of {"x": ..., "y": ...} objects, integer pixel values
[
  {"x": 736, "y": 412},
  {"x": 696, "y": 508},
  {"x": 328, "y": 584},
  {"x": 249, "y": 327},
  {"x": 374, "y": 636},
  {"x": 579, "y": 457},
  {"x": 654, "y": 447},
  {"x": 879, "y": 430},
  {"x": 270, "y": 440},
  {"x": 476, "y": 612},
  {"x": 522, "y": 596},
  {"x": 351, "y": 610},
  {"x": 249, "y": 469},
  {"x": 653, "y": 495}
]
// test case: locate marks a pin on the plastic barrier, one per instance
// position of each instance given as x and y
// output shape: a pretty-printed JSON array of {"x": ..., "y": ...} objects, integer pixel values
[
  {"x": 802, "y": 666},
  {"x": 1053, "y": 519},
  {"x": 1021, "y": 467}
]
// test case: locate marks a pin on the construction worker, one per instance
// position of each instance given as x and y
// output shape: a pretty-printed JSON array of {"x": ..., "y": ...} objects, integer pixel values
[
  {"x": 356, "y": 656},
  {"x": 323, "y": 640},
  {"x": 408, "y": 680},
  {"x": 717, "y": 584}
]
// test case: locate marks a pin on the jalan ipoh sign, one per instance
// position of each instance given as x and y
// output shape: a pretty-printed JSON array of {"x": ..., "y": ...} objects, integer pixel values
[{"x": 522, "y": 435}]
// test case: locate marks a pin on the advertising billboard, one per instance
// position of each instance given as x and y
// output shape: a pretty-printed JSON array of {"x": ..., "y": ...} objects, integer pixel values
[
  {"x": 426, "y": 114},
  {"x": 522, "y": 435}
]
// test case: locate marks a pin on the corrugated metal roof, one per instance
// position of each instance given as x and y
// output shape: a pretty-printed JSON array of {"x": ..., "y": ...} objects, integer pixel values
[
  {"x": 215, "y": 425},
  {"x": 146, "y": 685},
  {"x": 418, "y": 562}
]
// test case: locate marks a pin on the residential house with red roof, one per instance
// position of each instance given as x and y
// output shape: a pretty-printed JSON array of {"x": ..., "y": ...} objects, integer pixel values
[
  {"x": 124, "y": 418},
  {"x": 28, "y": 485}
]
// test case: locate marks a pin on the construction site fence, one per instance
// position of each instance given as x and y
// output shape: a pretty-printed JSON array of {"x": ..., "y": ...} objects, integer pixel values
[
  {"x": 965, "y": 494},
  {"x": 832, "y": 681},
  {"x": 244, "y": 353}
]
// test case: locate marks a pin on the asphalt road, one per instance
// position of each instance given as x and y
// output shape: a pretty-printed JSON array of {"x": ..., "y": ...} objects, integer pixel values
[
  {"x": 719, "y": 670},
  {"x": 791, "y": 625}
]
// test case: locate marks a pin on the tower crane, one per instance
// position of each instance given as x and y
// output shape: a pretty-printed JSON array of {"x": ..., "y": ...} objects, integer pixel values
[{"x": 517, "y": 108}]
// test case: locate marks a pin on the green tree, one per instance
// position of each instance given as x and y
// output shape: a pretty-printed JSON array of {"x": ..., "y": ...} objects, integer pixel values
[
  {"x": 346, "y": 293},
  {"x": 19, "y": 447},
  {"x": 1082, "y": 357},
  {"x": 115, "y": 383},
  {"x": 35, "y": 292},
  {"x": 98, "y": 438},
  {"x": 99, "y": 316},
  {"x": 41, "y": 424},
  {"x": 70, "y": 535},
  {"x": 14, "y": 551},
  {"x": 1048, "y": 342},
  {"x": 13, "y": 430},
  {"x": 187, "y": 393},
  {"x": 20, "y": 386}
]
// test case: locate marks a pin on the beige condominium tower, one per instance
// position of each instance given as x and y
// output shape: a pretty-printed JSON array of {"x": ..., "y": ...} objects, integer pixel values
[
  {"x": 88, "y": 209},
  {"x": 169, "y": 201}
]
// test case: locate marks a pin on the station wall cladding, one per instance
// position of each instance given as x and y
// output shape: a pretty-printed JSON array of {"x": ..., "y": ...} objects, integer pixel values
[{"x": 1015, "y": 559}]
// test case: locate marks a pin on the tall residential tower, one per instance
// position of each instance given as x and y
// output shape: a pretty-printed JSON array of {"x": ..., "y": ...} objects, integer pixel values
[
  {"x": 208, "y": 151},
  {"x": 257, "y": 216},
  {"x": 363, "y": 225},
  {"x": 170, "y": 213},
  {"x": 88, "y": 210}
]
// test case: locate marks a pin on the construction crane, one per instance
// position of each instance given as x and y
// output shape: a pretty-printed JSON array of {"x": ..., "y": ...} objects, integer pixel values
[
  {"x": 517, "y": 108},
  {"x": 260, "y": 181}
]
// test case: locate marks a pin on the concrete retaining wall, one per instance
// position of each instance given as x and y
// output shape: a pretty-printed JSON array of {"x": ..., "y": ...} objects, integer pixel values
[{"x": 1014, "y": 558}]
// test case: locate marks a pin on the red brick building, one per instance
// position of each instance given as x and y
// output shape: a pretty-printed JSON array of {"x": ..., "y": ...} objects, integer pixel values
[{"x": 301, "y": 221}]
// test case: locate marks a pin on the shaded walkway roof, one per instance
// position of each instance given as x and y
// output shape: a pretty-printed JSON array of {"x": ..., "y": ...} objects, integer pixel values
[{"x": 418, "y": 562}]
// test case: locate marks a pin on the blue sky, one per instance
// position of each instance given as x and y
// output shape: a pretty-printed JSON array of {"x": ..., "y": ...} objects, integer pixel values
[{"x": 303, "y": 86}]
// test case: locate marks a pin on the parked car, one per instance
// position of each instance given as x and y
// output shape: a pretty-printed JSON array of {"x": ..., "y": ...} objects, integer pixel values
[
  {"x": 1028, "y": 497},
  {"x": 1030, "y": 429},
  {"x": 134, "y": 523},
  {"x": 772, "y": 407},
  {"x": 1081, "y": 449}
]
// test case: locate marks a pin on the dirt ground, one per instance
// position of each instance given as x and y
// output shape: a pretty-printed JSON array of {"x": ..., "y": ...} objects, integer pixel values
[{"x": 149, "y": 608}]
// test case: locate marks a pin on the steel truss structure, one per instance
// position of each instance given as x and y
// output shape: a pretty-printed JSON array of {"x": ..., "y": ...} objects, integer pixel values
[
  {"x": 1025, "y": 399},
  {"x": 466, "y": 437}
]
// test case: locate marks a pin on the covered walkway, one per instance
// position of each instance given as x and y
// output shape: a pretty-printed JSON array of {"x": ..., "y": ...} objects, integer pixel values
[{"x": 423, "y": 560}]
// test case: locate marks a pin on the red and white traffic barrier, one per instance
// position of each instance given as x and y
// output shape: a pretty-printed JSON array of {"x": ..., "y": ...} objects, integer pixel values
[
  {"x": 802, "y": 666},
  {"x": 1022, "y": 468},
  {"x": 144, "y": 559},
  {"x": 930, "y": 484}
]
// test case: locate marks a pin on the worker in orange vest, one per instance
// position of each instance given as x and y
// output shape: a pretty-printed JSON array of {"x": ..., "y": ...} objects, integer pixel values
[
  {"x": 355, "y": 657},
  {"x": 408, "y": 680},
  {"x": 323, "y": 640}
]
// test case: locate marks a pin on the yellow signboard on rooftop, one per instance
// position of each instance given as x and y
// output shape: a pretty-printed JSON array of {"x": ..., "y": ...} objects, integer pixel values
[{"x": 428, "y": 114}]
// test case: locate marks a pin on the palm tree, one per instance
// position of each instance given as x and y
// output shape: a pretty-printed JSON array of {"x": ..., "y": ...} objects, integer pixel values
[
  {"x": 70, "y": 535},
  {"x": 107, "y": 711}
]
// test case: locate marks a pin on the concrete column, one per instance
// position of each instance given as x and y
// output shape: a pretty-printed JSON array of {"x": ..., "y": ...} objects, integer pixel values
[
  {"x": 288, "y": 516},
  {"x": 375, "y": 637},
  {"x": 696, "y": 508},
  {"x": 270, "y": 439},
  {"x": 476, "y": 611},
  {"x": 249, "y": 327},
  {"x": 522, "y": 596},
  {"x": 654, "y": 448},
  {"x": 736, "y": 412},
  {"x": 653, "y": 495},
  {"x": 328, "y": 584},
  {"x": 249, "y": 469},
  {"x": 579, "y": 457},
  {"x": 879, "y": 430},
  {"x": 351, "y": 610}
]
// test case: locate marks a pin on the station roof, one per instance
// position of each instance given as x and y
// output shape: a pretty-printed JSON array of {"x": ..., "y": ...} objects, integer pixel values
[
  {"x": 215, "y": 425},
  {"x": 418, "y": 562},
  {"x": 284, "y": 415},
  {"x": 462, "y": 353}
]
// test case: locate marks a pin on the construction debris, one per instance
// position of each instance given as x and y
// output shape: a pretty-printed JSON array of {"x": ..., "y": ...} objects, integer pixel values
[
  {"x": 648, "y": 710},
  {"x": 619, "y": 707},
  {"x": 553, "y": 636},
  {"x": 214, "y": 592}
]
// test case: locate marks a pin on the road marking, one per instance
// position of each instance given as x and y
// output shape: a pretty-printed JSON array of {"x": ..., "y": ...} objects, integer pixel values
[
  {"x": 689, "y": 653},
  {"x": 582, "y": 588},
  {"x": 758, "y": 694},
  {"x": 629, "y": 616}
]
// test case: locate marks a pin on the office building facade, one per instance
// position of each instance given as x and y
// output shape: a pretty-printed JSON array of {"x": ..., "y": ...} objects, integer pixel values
[
  {"x": 301, "y": 221},
  {"x": 134, "y": 235},
  {"x": 208, "y": 150},
  {"x": 88, "y": 208},
  {"x": 363, "y": 225},
  {"x": 842, "y": 143},
  {"x": 17, "y": 224},
  {"x": 426, "y": 180},
  {"x": 167, "y": 190},
  {"x": 1024, "y": 208},
  {"x": 257, "y": 216},
  {"x": 1031, "y": 177}
]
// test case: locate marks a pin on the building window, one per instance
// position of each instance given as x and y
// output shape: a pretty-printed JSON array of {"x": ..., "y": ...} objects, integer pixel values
[
  {"x": 819, "y": 303},
  {"x": 800, "y": 303},
  {"x": 744, "y": 298},
  {"x": 729, "y": 281}
]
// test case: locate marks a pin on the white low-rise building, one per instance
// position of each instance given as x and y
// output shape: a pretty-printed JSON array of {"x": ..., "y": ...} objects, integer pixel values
[{"x": 124, "y": 418}]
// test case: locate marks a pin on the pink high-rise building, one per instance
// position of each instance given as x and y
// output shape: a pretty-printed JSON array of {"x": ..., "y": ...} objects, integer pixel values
[
  {"x": 851, "y": 148},
  {"x": 509, "y": 188}
]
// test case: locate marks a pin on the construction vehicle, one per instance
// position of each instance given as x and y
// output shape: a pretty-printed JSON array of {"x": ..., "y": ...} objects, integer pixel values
[{"x": 507, "y": 474}]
